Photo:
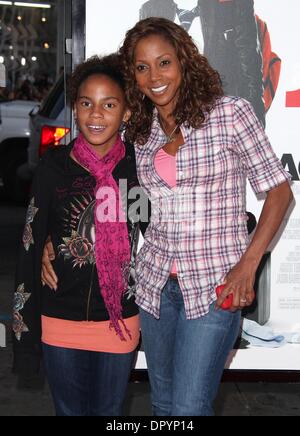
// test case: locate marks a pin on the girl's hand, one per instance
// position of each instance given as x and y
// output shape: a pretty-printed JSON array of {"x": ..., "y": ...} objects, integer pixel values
[
  {"x": 48, "y": 275},
  {"x": 239, "y": 282}
]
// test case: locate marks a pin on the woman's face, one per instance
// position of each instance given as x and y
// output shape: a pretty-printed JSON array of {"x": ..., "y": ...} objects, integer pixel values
[
  {"x": 158, "y": 71},
  {"x": 100, "y": 109}
]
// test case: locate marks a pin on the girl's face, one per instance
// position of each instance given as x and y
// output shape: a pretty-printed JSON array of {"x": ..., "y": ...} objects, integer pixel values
[
  {"x": 100, "y": 110},
  {"x": 158, "y": 71}
]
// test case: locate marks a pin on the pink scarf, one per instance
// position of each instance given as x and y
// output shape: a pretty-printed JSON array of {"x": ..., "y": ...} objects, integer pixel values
[{"x": 112, "y": 248}]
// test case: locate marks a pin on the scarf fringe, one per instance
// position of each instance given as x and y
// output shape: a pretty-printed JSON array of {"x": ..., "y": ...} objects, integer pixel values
[{"x": 116, "y": 326}]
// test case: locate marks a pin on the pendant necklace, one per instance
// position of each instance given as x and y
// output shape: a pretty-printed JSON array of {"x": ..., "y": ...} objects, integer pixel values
[{"x": 169, "y": 137}]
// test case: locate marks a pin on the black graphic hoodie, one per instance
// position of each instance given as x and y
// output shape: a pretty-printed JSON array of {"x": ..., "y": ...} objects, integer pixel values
[{"x": 62, "y": 207}]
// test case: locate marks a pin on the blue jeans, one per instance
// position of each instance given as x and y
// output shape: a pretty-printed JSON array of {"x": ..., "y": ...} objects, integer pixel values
[
  {"x": 186, "y": 358},
  {"x": 86, "y": 383}
]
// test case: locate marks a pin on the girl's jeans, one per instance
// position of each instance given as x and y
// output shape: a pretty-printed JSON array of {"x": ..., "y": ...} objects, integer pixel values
[{"x": 86, "y": 383}]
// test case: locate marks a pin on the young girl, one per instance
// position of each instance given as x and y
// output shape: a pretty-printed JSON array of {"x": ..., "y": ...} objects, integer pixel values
[{"x": 86, "y": 327}]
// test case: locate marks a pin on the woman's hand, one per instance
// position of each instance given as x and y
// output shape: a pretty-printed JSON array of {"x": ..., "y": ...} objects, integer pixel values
[
  {"x": 239, "y": 282},
  {"x": 48, "y": 275}
]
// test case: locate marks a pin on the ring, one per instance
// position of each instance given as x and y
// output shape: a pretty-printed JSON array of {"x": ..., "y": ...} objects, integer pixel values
[{"x": 243, "y": 301}]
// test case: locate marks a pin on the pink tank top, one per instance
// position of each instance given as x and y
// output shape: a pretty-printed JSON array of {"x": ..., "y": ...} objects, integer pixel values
[{"x": 166, "y": 168}]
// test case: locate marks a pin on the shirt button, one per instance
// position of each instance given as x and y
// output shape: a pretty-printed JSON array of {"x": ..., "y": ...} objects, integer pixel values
[{"x": 180, "y": 173}]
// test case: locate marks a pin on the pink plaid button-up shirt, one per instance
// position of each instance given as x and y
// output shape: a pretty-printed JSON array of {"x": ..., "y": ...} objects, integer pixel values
[{"x": 202, "y": 223}]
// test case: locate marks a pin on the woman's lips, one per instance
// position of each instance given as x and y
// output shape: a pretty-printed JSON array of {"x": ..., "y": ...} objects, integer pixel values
[{"x": 159, "y": 90}]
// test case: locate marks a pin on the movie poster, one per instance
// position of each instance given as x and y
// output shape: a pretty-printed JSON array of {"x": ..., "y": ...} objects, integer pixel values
[{"x": 254, "y": 44}]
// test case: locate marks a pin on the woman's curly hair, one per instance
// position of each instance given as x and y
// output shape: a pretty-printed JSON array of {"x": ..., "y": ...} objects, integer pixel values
[
  {"x": 107, "y": 66},
  {"x": 201, "y": 84}
]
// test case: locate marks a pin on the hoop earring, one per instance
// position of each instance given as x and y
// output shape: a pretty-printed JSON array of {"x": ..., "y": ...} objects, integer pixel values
[{"x": 123, "y": 126}]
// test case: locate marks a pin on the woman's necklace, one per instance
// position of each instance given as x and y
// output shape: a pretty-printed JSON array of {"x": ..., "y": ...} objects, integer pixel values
[{"x": 169, "y": 137}]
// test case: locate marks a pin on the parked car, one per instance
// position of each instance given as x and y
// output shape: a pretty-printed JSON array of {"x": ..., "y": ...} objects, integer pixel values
[
  {"x": 49, "y": 126},
  {"x": 14, "y": 141}
]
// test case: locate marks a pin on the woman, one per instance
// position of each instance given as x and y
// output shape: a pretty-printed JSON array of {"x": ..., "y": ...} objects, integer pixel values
[
  {"x": 194, "y": 149},
  {"x": 87, "y": 325}
]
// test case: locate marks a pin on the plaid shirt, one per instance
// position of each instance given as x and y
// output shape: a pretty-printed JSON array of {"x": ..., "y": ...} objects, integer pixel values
[{"x": 202, "y": 223}]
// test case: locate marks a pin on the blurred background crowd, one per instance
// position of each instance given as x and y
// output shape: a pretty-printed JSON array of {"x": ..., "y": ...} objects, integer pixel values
[{"x": 27, "y": 87}]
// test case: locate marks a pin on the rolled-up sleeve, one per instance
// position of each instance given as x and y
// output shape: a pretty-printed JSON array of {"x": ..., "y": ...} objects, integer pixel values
[{"x": 264, "y": 170}]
